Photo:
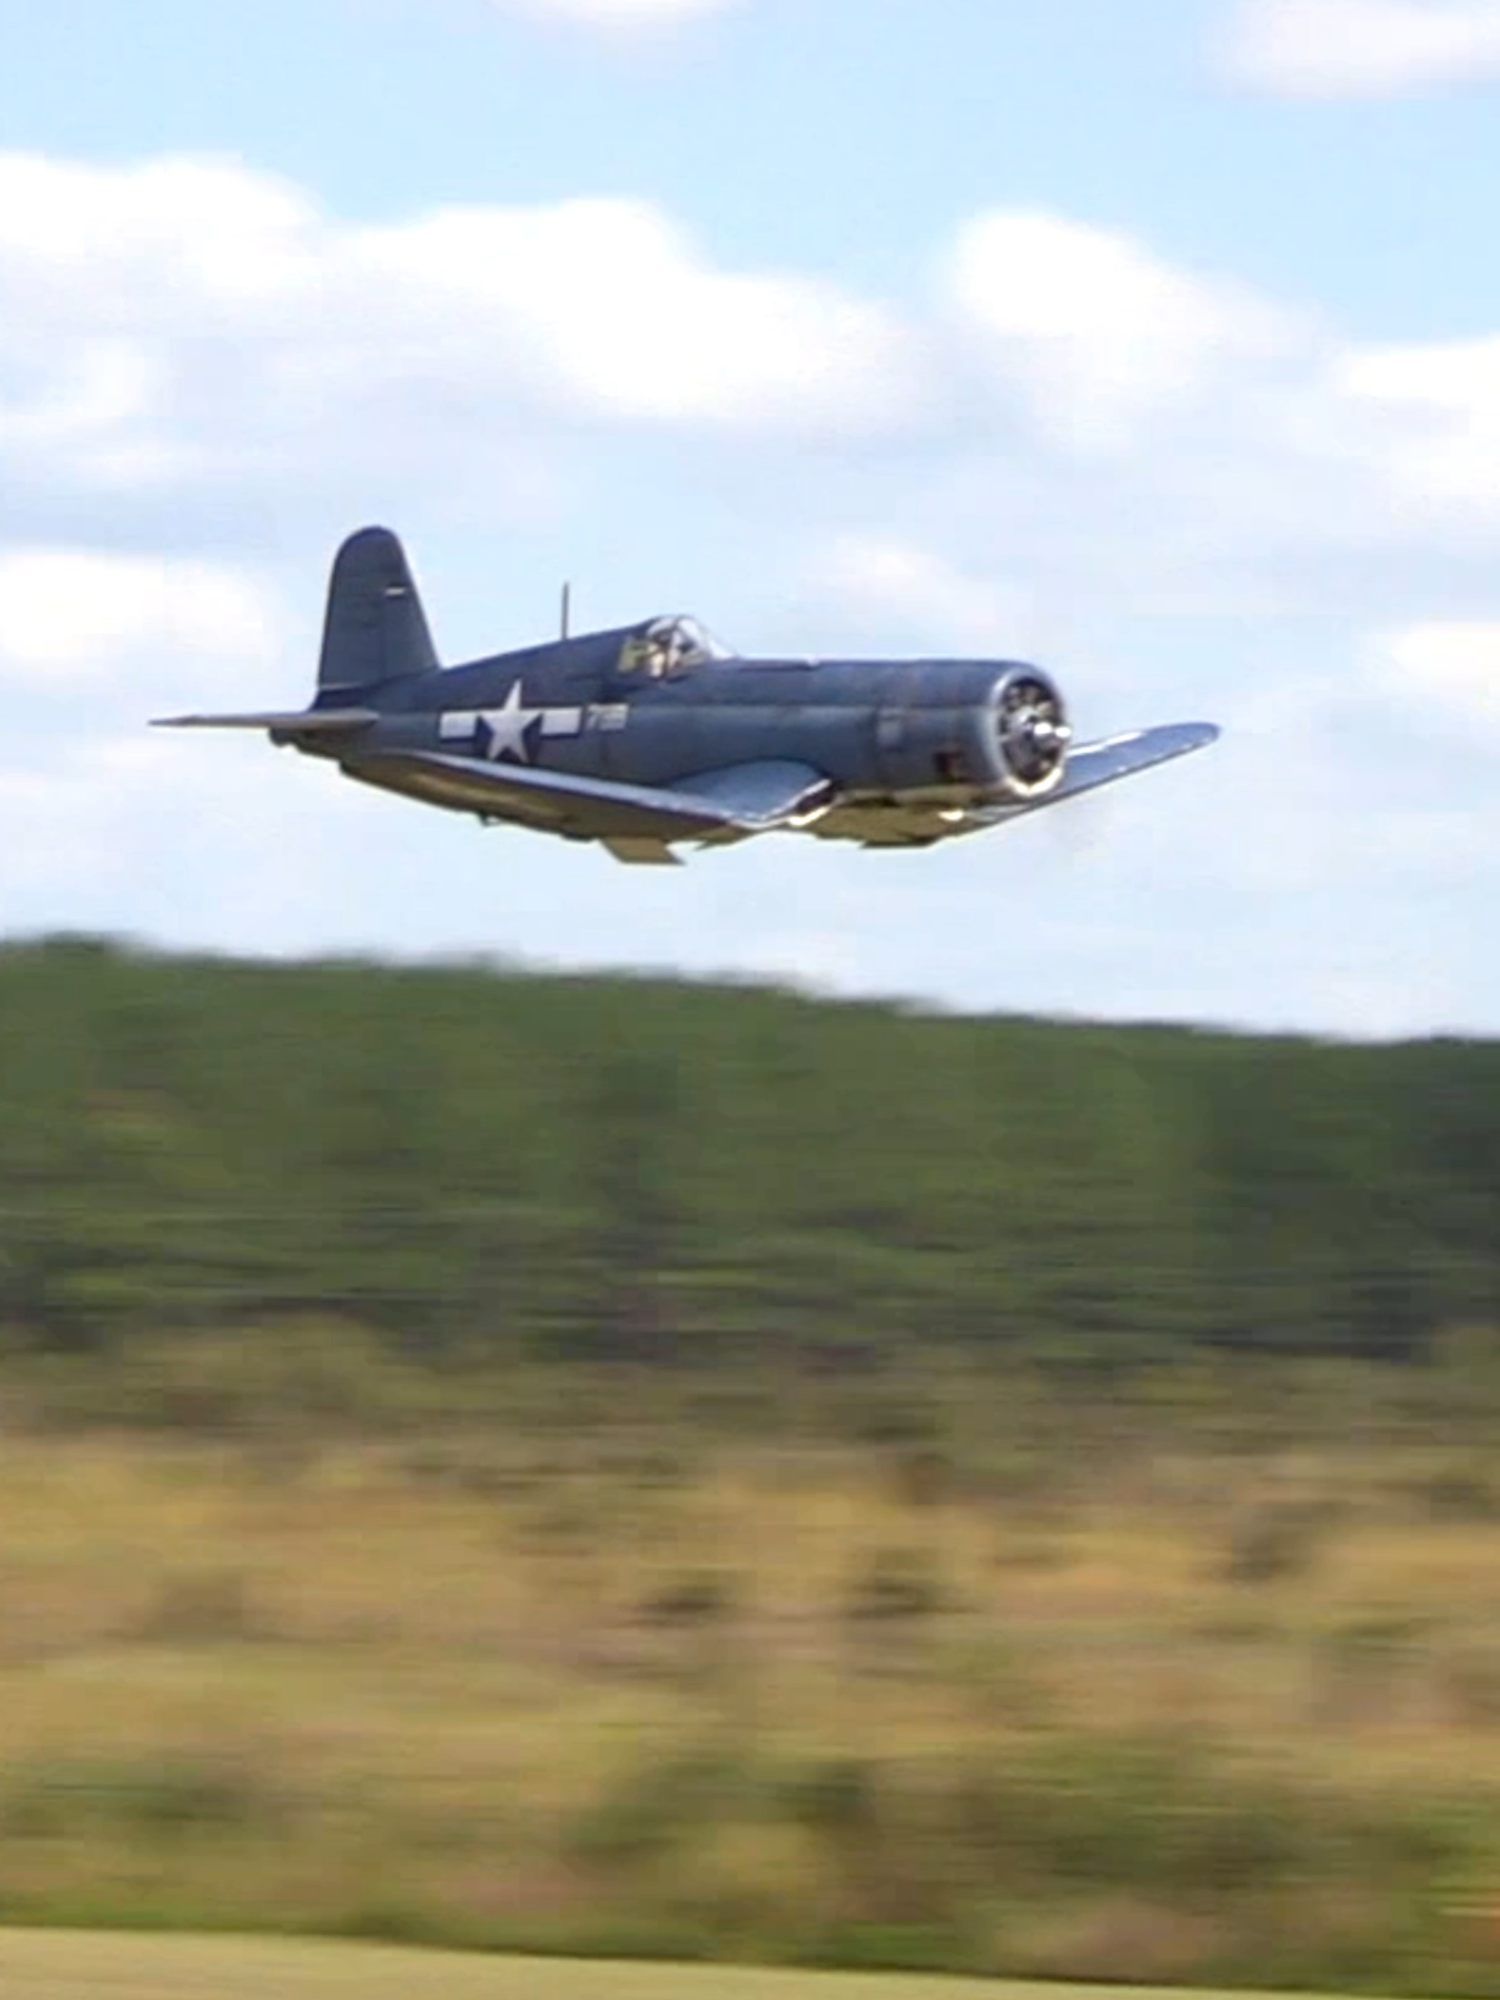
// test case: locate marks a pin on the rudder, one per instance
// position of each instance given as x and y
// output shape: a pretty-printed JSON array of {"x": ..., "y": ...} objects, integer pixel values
[{"x": 374, "y": 628}]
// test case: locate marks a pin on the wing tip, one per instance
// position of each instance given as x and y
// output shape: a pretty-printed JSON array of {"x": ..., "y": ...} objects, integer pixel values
[
  {"x": 1185, "y": 739},
  {"x": 1170, "y": 739}
]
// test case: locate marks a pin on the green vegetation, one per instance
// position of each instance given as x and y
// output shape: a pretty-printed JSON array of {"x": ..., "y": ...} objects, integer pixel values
[
  {"x": 640, "y": 1470},
  {"x": 471, "y": 1164}
]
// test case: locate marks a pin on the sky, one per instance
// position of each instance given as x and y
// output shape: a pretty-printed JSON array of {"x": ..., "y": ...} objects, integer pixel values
[{"x": 1159, "y": 344}]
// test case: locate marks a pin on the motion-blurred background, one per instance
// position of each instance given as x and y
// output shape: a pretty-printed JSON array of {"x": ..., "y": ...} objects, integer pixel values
[{"x": 501, "y": 1442}]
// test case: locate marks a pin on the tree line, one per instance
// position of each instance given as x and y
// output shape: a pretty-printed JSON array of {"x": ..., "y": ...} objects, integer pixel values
[{"x": 478, "y": 1162}]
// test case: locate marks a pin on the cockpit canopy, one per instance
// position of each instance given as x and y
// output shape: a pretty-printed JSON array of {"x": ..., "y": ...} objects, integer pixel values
[{"x": 667, "y": 647}]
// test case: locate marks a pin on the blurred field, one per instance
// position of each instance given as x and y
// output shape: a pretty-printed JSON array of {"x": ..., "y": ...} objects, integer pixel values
[
  {"x": 1066, "y": 1688},
  {"x": 40, "y": 1965},
  {"x": 689, "y": 1474}
]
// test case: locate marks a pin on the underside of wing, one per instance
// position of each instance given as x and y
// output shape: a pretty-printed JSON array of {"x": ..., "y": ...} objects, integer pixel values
[
  {"x": 917, "y": 822},
  {"x": 1094, "y": 764},
  {"x": 636, "y": 822},
  {"x": 771, "y": 792}
]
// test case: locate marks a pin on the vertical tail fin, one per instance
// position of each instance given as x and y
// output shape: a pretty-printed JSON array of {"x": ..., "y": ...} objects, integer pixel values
[{"x": 374, "y": 629}]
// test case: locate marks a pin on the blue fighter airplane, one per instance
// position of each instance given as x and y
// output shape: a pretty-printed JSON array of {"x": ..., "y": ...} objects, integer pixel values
[{"x": 654, "y": 735}]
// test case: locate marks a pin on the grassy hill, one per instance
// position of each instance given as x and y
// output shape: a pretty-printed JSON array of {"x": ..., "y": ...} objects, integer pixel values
[{"x": 472, "y": 1165}]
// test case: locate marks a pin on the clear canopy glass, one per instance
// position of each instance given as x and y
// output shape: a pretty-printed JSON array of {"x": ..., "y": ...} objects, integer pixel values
[{"x": 670, "y": 646}]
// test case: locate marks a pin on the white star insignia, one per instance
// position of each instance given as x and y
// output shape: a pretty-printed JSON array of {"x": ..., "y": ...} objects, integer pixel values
[{"x": 508, "y": 726}]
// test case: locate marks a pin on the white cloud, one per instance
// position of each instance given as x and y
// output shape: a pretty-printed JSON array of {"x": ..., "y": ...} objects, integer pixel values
[
  {"x": 1442, "y": 675},
  {"x": 630, "y": 17},
  {"x": 1440, "y": 402},
  {"x": 203, "y": 342},
  {"x": 885, "y": 579},
  {"x": 604, "y": 306},
  {"x": 185, "y": 323},
  {"x": 69, "y": 614},
  {"x": 1223, "y": 426},
  {"x": 176, "y": 838},
  {"x": 1363, "y": 48},
  {"x": 186, "y": 327},
  {"x": 1096, "y": 332}
]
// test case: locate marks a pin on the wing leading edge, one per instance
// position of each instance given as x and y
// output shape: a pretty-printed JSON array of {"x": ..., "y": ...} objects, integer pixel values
[{"x": 1105, "y": 763}]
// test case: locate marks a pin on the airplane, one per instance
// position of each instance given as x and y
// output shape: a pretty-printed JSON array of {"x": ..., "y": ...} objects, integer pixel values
[{"x": 654, "y": 735}]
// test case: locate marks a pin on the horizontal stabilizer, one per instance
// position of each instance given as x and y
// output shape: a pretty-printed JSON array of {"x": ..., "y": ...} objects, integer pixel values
[{"x": 303, "y": 722}]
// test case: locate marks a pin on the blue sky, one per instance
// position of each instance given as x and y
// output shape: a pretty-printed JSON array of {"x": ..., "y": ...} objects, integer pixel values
[
  {"x": 842, "y": 134},
  {"x": 1162, "y": 343}
]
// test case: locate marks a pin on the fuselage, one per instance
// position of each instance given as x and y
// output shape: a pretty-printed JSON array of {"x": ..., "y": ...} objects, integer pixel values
[{"x": 660, "y": 703}]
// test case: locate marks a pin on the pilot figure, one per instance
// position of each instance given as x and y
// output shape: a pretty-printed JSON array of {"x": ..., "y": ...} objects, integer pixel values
[{"x": 664, "y": 650}]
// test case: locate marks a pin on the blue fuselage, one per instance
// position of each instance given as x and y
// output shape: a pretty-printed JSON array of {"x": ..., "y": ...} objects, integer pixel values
[{"x": 878, "y": 729}]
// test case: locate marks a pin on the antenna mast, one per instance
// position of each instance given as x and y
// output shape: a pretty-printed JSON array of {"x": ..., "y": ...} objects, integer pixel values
[{"x": 567, "y": 593}]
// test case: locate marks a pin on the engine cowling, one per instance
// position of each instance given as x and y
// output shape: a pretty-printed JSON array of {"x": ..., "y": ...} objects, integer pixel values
[{"x": 1032, "y": 732}]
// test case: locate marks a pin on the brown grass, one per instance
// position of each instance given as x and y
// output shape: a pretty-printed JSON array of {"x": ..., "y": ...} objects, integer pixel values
[
  {"x": 49, "y": 1965},
  {"x": 473, "y": 1692}
]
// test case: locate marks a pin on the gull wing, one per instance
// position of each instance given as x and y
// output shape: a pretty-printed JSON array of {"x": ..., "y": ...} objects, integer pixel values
[
  {"x": 636, "y": 822},
  {"x": 1105, "y": 763}
]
